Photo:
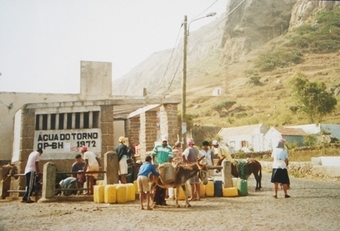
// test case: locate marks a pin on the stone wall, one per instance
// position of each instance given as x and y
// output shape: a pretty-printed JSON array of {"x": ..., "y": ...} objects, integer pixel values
[
  {"x": 132, "y": 130},
  {"x": 306, "y": 169}
]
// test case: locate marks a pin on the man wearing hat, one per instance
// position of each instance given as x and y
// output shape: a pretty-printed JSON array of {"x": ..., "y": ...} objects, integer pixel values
[
  {"x": 161, "y": 153},
  {"x": 122, "y": 152},
  {"x": 221, "y": 152}
]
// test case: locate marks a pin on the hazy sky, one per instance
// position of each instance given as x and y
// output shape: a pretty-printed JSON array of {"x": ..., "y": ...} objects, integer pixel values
[{"x": 43, "y": 41}]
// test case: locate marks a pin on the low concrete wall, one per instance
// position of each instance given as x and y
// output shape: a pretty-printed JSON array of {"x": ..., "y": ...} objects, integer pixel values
[{"x": 307, "y": 169}]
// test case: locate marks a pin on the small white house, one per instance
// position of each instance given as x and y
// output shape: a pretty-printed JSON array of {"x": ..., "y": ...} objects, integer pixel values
[
  {"x": 291, "y": 135},
  {"x": 333, "y": 129},
  {"x": 244, "y": 137},
  {"x": 218, "y": 91}
]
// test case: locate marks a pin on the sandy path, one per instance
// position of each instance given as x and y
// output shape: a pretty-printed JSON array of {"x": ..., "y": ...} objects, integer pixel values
[{"x": 314, "y": 205}]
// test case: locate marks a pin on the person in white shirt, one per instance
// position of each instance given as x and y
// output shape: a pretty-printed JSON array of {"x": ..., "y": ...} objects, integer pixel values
[
  {"x": 280, "y": 173},
  {"x": 31, "y": 171},
  {"x": 92, "y": 163},
  {"x": 209, "y": 156}
]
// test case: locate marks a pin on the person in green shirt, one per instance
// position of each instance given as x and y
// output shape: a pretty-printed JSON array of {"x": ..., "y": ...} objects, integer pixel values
[{"x": 161, "y": 153}]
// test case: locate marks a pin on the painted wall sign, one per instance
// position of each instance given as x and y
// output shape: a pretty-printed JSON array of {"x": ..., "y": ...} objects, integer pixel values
[{"x": 60, "y": 144}]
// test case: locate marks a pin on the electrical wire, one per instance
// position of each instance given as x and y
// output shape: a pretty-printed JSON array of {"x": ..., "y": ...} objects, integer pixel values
[
  {"x": 173, "y": 49},
  {"x": 205, "y": 9},
  {"x": 165, "y": 93},
  {"x": 173, "y": 77},
  {"x": 220, "y": 20}
]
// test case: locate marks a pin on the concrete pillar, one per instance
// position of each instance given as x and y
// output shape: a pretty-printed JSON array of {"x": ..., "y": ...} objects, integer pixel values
[
  {"x": 169, "y": 122},
  {"x": 107, "y": 127},
  {"x": 226, "y": 174},
  {"x": 111, "y": 167},
  {"x": 65, "y": 121},
  {"x": 57, "y": 121},
  {"x": 148, "y": 132},
  {"x": 90, "y": 119},
  {"x": 48, "y": 189}
]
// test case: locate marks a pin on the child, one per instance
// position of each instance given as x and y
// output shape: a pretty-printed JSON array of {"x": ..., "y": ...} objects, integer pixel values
[{"x": 143, "y": 181}]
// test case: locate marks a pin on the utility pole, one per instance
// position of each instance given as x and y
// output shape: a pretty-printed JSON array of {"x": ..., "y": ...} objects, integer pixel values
[
  {"x": 184, "y": 84},
  {"x": 183, "y": 129}
]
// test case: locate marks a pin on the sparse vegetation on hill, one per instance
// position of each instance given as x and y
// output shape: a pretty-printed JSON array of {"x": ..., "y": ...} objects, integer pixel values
[{"x": 258, "y": 83}]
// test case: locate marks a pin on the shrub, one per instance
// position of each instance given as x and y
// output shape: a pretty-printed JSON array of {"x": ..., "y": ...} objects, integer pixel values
[{"x": 280, "y": 58}]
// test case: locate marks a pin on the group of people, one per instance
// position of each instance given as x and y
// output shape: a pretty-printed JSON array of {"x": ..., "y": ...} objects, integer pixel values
[
  {"x": 162, "y": 153},
  {"x": 87, "y": 161}
]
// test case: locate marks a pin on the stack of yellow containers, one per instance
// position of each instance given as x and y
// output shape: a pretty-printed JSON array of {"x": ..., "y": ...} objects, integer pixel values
[
  {"x": 110, "y": 194},
  {"x": 202, "y": 189},
  {"x": 231, "y": 191},
  {"x": 114, "y": 193},
  {"x": 98, "y": 193},
  {"x": 121, "y": 193},
  {"x": 209, "y": 189},
  {"x": 131, "y": 192}
]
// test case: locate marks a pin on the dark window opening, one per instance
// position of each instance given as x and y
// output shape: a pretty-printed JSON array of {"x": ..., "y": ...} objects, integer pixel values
[
  {"x": 77, "y": 120},
  {"x": 37, "y": 119},
  {"x": 69, "y": 121},
  {"x": 95, "y": 119},
  {"x": 53, "y": 121},
  {"x": 61, "y": 121},
  {"x": 45, "y": 121},
  {"x": 86, "y": 120}
]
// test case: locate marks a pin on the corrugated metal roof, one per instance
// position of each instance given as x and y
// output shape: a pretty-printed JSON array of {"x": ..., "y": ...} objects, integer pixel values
[
  {"x": 242, "y": 130},
  {"x": 291, "y": 131}
]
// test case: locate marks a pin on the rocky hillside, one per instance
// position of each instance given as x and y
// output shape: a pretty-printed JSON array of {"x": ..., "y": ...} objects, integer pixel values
[
  {"x": 163, "y": 67},
  {"x": 229, "y": 52}
]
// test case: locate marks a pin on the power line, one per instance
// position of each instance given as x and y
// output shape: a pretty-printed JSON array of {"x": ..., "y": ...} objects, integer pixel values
[
  {"x": 173, "y": 49},
  {"x": 167, "y": 67},
  {"x": 173, "y": 77},
  {"x": 220, "y": 20},
  {"x": 206, "y": 9}
]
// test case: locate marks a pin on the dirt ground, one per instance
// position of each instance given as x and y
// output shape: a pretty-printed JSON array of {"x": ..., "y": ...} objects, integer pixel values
[{"x": 314, "y": 205}]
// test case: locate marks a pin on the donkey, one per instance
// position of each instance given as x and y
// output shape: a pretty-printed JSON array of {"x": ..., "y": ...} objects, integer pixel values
[
  {"x": 244, "y": 168},
  {"x": 184, "y": 173},
  {"x": 8, "y": 171}
]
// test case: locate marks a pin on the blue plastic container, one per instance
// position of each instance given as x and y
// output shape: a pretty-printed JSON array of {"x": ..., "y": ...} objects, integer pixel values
[{"x": 218, "y": 192}]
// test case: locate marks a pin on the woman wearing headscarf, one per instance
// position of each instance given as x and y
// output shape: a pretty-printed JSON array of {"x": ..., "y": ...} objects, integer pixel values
[
  {"x": 92, "y": 163},
  {"x": 190, "y": 155},
  {"x": 280, "y": 173}
]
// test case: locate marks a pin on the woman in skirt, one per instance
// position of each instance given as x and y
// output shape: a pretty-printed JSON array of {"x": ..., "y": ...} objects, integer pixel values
[{"x": 280, "y": 162}]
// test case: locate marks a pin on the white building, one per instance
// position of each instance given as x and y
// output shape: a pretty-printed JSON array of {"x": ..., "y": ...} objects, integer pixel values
[
  {"x": 243, "y": 137},
  {"x": 218, "y": 91}
]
